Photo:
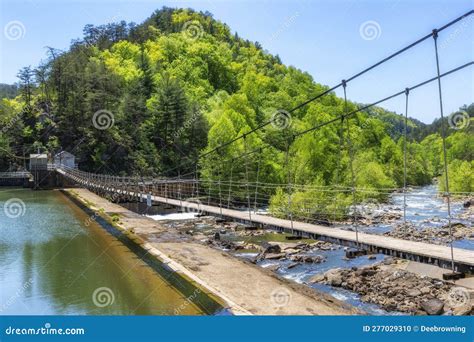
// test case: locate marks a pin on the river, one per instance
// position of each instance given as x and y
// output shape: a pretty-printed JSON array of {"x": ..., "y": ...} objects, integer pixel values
[
  {"x": 54, "y": 260},
  {"x": 424, "y": 209}
]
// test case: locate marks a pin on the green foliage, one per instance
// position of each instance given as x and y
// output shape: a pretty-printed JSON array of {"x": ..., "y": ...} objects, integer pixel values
[
  {"x": 461, "y": 177},
  {"x": 8, "y": 91},
  {"x": 174, "y": 94}
]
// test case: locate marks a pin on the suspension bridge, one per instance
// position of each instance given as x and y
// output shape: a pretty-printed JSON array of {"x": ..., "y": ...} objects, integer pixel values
[
  {"x": 184, "y": 194},
  {"x": 242, "y": 196}
]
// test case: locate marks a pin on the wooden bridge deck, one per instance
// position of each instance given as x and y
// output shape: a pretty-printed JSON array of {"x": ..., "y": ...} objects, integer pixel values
[
  {"x": 418, "y": 251},
  {"x": 411, "y": 250}
]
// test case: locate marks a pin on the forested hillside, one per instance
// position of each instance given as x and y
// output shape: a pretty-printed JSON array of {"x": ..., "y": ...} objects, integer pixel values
[
  {"x": 8, "y": 91},
  {"x": 181, "y": 83}
]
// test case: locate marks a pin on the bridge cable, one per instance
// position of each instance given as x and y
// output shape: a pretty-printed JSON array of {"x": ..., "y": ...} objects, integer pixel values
[
  {"x": 338, "y": 166},
  {"x": 443, "y": 136},
  {"x": 230, "y": 184},
  {"x": 287, "y": 161},
  {"x": 351, "y": 161},
  {"x": 197, "y": 188},
  {"x": 221, "y": 171},
  {"x": 210, "y": 185},
  {"x": 247, "y": 178},
  {"x": 256, "y": 181},
  {"x": 405, "y": 133},
  {"x": 347, "y": 115},
  {"x": 382, "y": 100}
]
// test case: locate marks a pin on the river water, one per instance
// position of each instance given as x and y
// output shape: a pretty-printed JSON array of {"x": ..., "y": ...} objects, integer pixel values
[
  {"x": 424, "y": 209},
  {"x": 54, "y": 260}
]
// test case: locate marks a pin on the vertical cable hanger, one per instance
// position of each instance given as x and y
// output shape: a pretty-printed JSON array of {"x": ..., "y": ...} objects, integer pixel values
[
  {"x": 338, "y": 166},
  {"x": 351, "y": 162},
  {"x": 209, "y": 184},
  {"x": 289, "y": 190},
  {"x": 220, "y": 170},
  {"x": 256, "y": 180},
  {"x": 405, "y": 133},
  {"x": 247, "y": 178},
  {"x": 197, "y": 186},
  {"x": 445, "y": 158},
  {"x": 230, "y": 184}
]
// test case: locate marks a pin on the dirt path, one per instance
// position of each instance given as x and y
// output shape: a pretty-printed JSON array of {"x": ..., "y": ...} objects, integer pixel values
[{"x": 245, "y": 287}]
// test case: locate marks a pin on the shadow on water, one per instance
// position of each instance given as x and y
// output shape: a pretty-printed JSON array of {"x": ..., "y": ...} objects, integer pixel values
[{"x": 198, "y": 297}]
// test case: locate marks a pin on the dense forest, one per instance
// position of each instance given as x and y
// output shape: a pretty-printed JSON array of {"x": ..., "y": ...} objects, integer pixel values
[
  {"x": 9, "y": 91},
  {"x": 149, "y": 99}
]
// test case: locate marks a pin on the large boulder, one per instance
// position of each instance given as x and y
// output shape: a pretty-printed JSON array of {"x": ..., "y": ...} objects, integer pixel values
[
  {"x": 413, "y": 293},
  {"x": 269, "y": 248},
  {"x": 334, "y": 277},
  {"x": 273, "y": 256},
  {"x": 318, "y": 278},
  {"x": 463, "y": 310},
  {"x": 433, "y": 306}
]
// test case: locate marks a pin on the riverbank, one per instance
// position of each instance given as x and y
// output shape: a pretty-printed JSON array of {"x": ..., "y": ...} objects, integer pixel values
[
  {"x": 306, "y": 260},
  {"x": 243, "y": 286},
  {"x": 389, "y": 285}
]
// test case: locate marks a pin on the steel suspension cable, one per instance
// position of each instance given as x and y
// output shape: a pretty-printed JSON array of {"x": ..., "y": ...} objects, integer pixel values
[
  {"x": 351, "y": 163},
  {"x": 256, "y": 180},
  {"x": 382, "y": 100},
  {"x": 220, "y": 192},
  {"x": 247, "y": 178},
  {"x": 445, "y": 158},
  {"x": 230, "y": 185},
  {"x": 287, "y": 160},
  {"x": 338, "y": 166},
  {"x": 405, "y": 133}
]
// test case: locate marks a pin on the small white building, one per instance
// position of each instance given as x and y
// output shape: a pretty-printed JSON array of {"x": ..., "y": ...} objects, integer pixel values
[
  {"x": 66, "y": 159},
  {"x": 39, "y": 161}
]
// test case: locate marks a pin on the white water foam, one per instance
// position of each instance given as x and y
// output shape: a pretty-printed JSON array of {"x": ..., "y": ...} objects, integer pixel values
[{"x": 174, "y": 216}]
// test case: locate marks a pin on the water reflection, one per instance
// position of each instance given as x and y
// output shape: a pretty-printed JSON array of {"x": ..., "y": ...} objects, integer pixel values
[{"x": 51, "y": 263}]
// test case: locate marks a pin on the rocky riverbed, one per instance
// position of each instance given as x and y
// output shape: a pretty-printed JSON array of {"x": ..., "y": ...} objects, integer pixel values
[
  {"x": 395, "y": 289},
  {"x": 439, "y": 236},
  {"x": 267, "y": 244},
  {"x": 381, "y": 289}
]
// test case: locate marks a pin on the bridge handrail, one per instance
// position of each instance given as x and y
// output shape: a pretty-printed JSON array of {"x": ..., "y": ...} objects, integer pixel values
[
  {"x": 15, "y": 174},
  {"x": 141, "y": 181}
]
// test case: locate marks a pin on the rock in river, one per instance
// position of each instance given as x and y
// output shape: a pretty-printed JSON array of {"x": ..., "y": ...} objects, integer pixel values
[{"x": 433, "y": 306}]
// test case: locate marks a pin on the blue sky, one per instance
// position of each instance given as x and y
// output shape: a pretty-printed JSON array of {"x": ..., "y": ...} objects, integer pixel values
[{"x": 323, "y": 38}]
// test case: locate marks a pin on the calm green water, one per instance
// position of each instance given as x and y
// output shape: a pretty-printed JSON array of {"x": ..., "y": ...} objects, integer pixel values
[{"x": 54, "y": 260}]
